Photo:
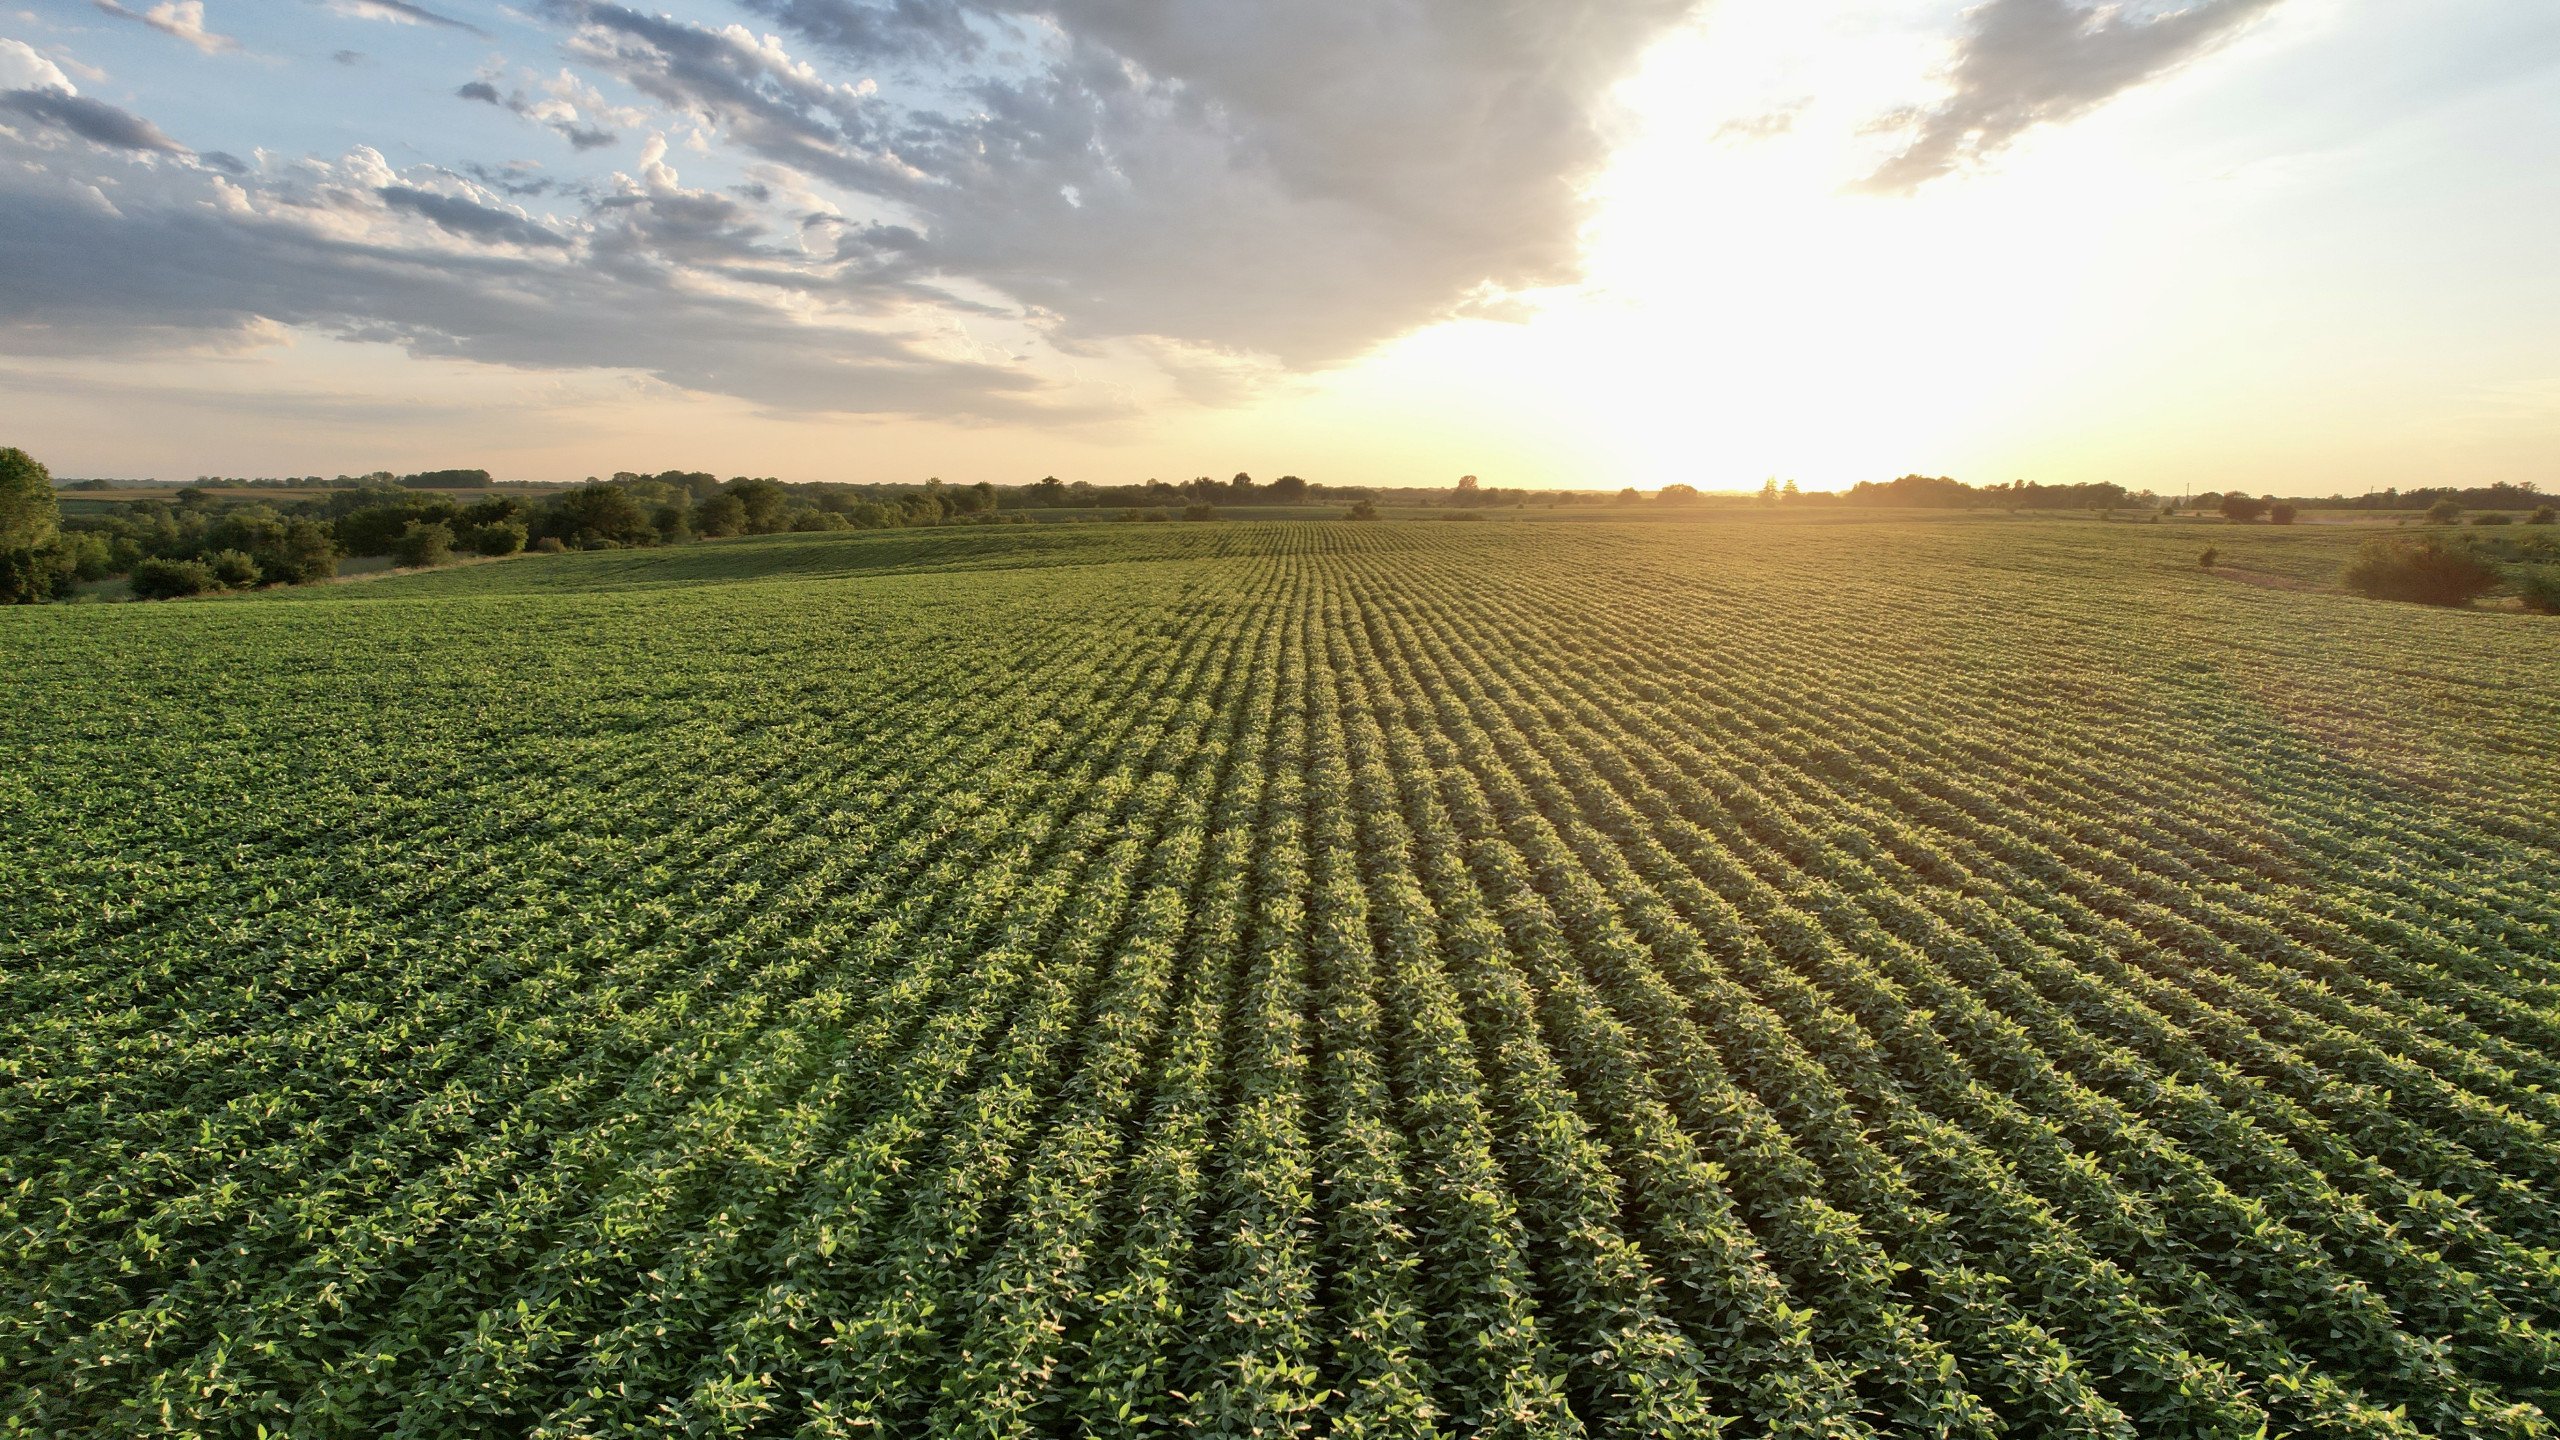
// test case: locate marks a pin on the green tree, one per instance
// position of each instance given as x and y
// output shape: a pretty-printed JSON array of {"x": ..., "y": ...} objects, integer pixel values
[
  {"x": 595, "y": 516},
  {"x": 29, "y": 518},
  {"x": 720, "y": 515},
  {"x": 2444, "y": 512},
  {"x": 2242, "y": 508},
  {"x": 766, "y": 503}
]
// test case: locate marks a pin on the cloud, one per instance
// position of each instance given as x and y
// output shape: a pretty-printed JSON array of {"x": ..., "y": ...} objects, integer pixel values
[
  {"x": 559, "y": 112},
  {"x": 673, "y": 283},
  {"x": 972, "y": 207},
  {"x": 1768, "y": 125},
  {"x": 470, "y": 219},
  {"x": 93, "y": 120},
  {"x": 2025, "y": 63},
  {"x": 183, "y": 19},
  {"x": 22, "y": 67},
  {"x": 400, "y": 12},
  {"x": 1302, "y": 181}
]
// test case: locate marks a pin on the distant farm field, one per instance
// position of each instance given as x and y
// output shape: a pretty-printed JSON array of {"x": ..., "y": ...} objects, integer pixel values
[{"x": 1857, "y": 977}]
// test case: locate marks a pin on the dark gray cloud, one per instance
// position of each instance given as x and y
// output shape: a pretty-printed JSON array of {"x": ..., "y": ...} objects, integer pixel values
[
  {"x": 93, "y": 120},
  {"x": 470, "y": 219},
  {"x": 2025, "y": 63}
]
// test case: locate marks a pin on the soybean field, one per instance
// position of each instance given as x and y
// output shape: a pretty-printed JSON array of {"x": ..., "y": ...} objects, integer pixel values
[{"x": 1860, "y": 977}]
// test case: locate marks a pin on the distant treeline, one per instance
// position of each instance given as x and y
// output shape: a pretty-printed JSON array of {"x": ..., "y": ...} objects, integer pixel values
[
  {"x": 2501, "y": 496},
  {"x": 1051, "y": 493},
  {"x": 1940, "y": 493},
  {"x": 473, "y": 479},
  {"x": 198, "y": 542}
]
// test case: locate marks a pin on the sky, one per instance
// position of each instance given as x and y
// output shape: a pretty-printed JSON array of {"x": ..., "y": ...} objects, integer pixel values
[{"x": 2294, "y": 246}]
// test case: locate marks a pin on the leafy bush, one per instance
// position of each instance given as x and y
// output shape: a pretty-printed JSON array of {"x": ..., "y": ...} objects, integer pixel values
[
  {"x": 2443, "y": 512},
  {"x": 1201, "y": 511},
  {"x": 2281, "y": 513},
  {"x": 2243, "y": 508},
  {"x": 424, "y": 543},
  {"x": 2542, "y": 515},
  {"x": 234, "y": 568},
  {"x": 1364, "y": 510},
  {"x": 32, "y": 575},
  {"x": 2209, "y": 556},
  {"x": 2540, "y": 590},
  {"x": 157, "y": 579},
  {"x": 2493, "y": 518},
  {"x": 549, "y": 545},
  {"x": 375, "y": 529},
  {"x": 498, "y": 537},
  {"x": 2429, "y": 572}
]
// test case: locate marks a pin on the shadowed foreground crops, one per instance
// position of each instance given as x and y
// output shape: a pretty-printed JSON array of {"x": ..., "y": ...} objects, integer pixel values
[{"x": 1896, "y": 978}]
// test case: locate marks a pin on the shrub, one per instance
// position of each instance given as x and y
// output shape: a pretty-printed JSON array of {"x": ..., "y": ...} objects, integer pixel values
[
  {"x": 549, "y": 545},
  {"x": 1363, "y": 510},
  {"x": 2493, "y": 518},
  {"x": 2443, "y": 512},
  {"x": 811, "y": 521},
  {"x": 34, "y": 574},
  {"x": 376, "y": 529},
  {"x": 2242, "y": 508},
  {"x": 2429, "y": 572},
  {"x": 1201, "y": 511},
  {"x": 157, "y": 579},
  {"x": 423, "y": 543},
  {"x": 234, "y": 568},
  {"x": 2209, "y": 556},
  {"x": 2542, "y": 515},
  {"x": 2281, "y": 513},
  {"x": 498, "y": 537},
  {"x": 2540, "y": 590}
]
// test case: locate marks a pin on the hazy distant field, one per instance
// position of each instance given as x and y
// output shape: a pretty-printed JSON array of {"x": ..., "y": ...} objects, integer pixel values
[{"x": 1965, "y": 976}]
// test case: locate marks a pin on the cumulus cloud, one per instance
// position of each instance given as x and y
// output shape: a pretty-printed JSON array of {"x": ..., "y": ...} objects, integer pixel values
[
  {"x": 663, "y": 280},
  {"x": 558, "y": 110},
  {"x": 966, "y": 207},
  {"x": 183, "y": 19},
  {"x": 2024, "y": 63},
  {"x": 1304, "y": 181},
  {"x": 23, "y": 67}
]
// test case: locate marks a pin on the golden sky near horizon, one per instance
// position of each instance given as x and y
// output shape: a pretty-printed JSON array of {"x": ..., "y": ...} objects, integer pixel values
[{"x": 2280, "y": 245}]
